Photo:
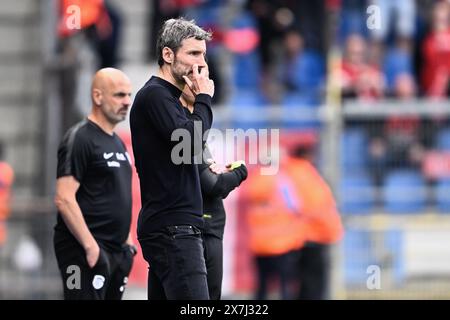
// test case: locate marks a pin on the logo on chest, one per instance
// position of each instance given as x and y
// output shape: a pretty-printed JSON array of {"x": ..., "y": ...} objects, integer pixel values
[
  {"x": 107, "y": 155},
  {"x": 114, "y": 158}
]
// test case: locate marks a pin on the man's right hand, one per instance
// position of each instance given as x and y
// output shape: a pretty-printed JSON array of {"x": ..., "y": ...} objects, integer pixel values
[
  {"x": 200, "y": 82},
  {"x": 92, "y": 255},
  {"x": 214, "y": 167}
]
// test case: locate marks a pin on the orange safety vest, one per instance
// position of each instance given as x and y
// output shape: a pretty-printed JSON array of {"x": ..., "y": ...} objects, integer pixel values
[
  {"x": 273, "y": 227},
  {"x": 318, "y": 207},
  {"x": 6, "y": 180},
  {"x": 91, "y": 12}
]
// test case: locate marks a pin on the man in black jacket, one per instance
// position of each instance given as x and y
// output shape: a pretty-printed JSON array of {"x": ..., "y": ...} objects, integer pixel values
[
  {"x": 216, "y": 184},
  {"x": 170, "y": 219}
]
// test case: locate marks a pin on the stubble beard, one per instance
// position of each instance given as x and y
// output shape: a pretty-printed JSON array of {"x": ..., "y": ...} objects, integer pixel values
[
  {"x": 114, "y": 118},
  {"x": 178, "y": 72}
]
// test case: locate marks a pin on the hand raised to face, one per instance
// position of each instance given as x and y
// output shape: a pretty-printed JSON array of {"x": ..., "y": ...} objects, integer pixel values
[{"x": 200, "y": 81}]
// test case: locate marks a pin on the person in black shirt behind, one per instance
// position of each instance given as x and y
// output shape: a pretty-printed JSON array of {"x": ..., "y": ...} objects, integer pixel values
[
  {"x": 92, "y": 239},
  {"x": 170, "y": 219},
  {"x": 216, "y": 184}
]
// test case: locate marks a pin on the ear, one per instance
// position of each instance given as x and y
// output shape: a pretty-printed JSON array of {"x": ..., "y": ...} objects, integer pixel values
[
  {"x": 97, "y": 96},
  {"x": 168, "y": 55}
]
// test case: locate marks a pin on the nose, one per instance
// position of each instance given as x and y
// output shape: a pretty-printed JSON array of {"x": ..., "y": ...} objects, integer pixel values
[
  {"x": 127, "y": 101},
  {"x": 201, "y": 61}
]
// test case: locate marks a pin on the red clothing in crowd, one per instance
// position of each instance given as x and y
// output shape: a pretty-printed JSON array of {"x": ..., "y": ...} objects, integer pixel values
[
  {"x": 436, "y": 66},
  {"x": 362, "y": 79}
]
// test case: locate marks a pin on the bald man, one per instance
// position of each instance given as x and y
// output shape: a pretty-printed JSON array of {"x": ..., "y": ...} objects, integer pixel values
[{"x": 92, "y": 239}]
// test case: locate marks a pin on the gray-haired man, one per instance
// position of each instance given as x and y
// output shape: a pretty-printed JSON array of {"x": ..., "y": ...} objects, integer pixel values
[{"x": 171, "y": 216}]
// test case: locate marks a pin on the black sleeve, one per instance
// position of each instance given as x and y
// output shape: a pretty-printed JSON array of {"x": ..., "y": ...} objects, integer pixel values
[
  {"x": 220, "y": 185},
  {"x": 167, "y": 115},
  {"x": 73, "y": 155}
]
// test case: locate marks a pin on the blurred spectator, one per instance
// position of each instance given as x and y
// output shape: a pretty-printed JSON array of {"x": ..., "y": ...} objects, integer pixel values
[
  {"x": 293, "y": 220},
  {"x": 375, "y": 53},
  {"x": 100, "y": 26},
  {"x": 208, "y": 15},
  {"x": 398, "y": 60},
  {"x": 358, "y": 78},
  {"x": 274, "y": 231},
  {"x": 436, "y": 53},
  {"x": 273, "y": 19},
  {"x": 270, "y": 25},
  {"x": 322, "y": 223},
  {"x": 306, "y": 14},
  {"x": 399, "y": 143},
  {"x": 108, "y": 44},
  {"x": 101, "y": 23},
  {"x": 6, "y": 181},
  {"x": 423, "y": 26},
  {"x": 352, "y": 18},
  {"x": 404, "y": 86},
  {"x": 397, "y": 17},
  {"x": 161, "y": 10},
  {"x": 303, "y": 71}
]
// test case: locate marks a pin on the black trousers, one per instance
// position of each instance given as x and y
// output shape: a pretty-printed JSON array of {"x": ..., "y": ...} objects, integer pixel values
[
  {"x": 105, "y": 281},
  {"x": 281, "y": 267},
  {"x": 214, "y": 265},
  {"x": 177, "y": 269},
  {"x": 314, "y": 271}
]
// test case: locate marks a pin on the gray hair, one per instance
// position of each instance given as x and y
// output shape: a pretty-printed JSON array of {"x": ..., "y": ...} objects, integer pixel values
[{"x": 174, "y": 31}]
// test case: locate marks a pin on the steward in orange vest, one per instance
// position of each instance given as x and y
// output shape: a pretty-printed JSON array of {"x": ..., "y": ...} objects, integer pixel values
[{"x": 6, "y": 181}]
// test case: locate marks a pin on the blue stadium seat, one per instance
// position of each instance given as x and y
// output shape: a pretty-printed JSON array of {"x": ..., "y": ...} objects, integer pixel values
[
  {"x": 354, "y": 152},
  {"x": 246, "y": 70},
  {"x": 244, "y": 20},
  {"x": 404, "y": 191},
  {"x": 356, "y": 194},
  {"x": 443, "y": 140},
  {"x": 305, "y": 75},
  {"x": 443, "y": 195},
  {"x": 362, "y": 251},
  {"x": 396, "y": 62}
]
